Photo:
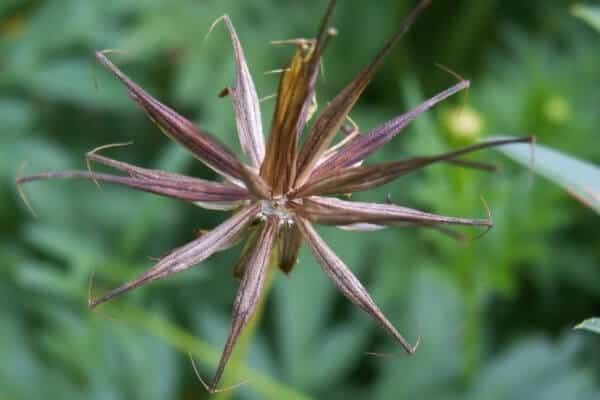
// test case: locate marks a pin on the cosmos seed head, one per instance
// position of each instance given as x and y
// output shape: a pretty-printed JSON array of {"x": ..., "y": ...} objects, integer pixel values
[{"x": 288, "y": 185}]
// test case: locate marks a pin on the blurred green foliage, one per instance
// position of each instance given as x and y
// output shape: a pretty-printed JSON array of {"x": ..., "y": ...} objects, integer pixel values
[{"x": 495, "y": 314}]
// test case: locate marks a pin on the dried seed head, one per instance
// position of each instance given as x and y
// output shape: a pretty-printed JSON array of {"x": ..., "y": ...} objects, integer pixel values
[{"x": 281, "y": 194}]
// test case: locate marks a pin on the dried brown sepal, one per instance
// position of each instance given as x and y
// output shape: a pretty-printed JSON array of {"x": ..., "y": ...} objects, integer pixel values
[
  {"x": 364, "y": 145},
  {"x": 200, "y": 143},
  {"x": 249, "y": 292},
  {"x": 246, "y": 103},
  {"x": 290, "y": 242},
  {"x": 189, "y": 255},
  {"x": 332, "y": 211},
  {"x": 356, "y": 179},
  {"x": 346, "y": 282},
  {"x": 294, "y": 99},
  {"x": 332, "y": 118}
]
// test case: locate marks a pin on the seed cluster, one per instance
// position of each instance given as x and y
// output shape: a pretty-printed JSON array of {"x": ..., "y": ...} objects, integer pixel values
[{"x": 287, "y": 187}]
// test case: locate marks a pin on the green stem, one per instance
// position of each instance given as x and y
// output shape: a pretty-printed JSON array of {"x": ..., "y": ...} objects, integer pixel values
[
  {"x": 207, "y": 354},
  {"x": 172, "y": 335}
]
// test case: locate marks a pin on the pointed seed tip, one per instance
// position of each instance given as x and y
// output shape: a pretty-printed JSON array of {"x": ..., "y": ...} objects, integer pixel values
[
  {"x": 223, "y": 17},
  {"x": 414, "y": 348},
  {"x": 20, "y": 180}
]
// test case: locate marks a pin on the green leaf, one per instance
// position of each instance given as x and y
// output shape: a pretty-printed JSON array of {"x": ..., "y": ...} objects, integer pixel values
[
  {"x": 16, "y": 115},
  {"x": 77, "y": 81},
  {"x": 438, "y": 319},
  {"x": 536, "y": 368},
  {"x": 578, "y": 178},
  {"x": 205, "y": 353},
  {"x": 590, "y": 324},
  {"x": 590, "y": 14}
]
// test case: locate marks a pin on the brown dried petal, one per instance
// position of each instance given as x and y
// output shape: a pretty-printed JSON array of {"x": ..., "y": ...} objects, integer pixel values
[
  {"x": 191, "y": 254},
  {"x": 246, "y": 104},
  {"x": 202, "y": 145},
  {"x": 327, "y": 210},
  {"x": 332, "y": 118},
  {"x": 250, "y": 291},
  {"x": 346, "y": 282},
  {"x": 363, "y": 146},
  {"x": 351, "y": 180}
]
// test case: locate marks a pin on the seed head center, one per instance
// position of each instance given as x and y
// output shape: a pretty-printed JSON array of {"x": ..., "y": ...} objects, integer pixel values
[{"x": 276, "y": 207}]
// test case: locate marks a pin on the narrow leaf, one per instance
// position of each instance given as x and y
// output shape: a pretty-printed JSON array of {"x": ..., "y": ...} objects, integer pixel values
[
  {"x": 346, "y": 282},
  {"x": 578, "y": 178},
  {"x": 588, "y": 13},
  {"x": 179, "y": 339},
  {"x": 191, "y": 254},
  {"x": 249, "y": 293},
  {"x": 591, "y": 324}
]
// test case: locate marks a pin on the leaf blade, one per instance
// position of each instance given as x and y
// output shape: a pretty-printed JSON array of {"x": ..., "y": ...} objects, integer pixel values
[
  {"x": 590, "y": 324},
  {"x": 579, "y": 178},
  {"x": 590, "y": 14}
]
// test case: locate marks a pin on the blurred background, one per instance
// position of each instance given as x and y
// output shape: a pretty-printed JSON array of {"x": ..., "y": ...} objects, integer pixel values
[{"x": 495, "y": 315}]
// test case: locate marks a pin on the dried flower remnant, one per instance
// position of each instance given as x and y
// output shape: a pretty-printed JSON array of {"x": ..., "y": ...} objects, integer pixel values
[{"x": 280, "y": 195}]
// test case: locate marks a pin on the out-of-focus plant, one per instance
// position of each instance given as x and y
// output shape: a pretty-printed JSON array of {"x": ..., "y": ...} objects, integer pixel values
[
  {"x": 578, "y": 178},
  {"x": 588, "y": 13},
  {"x": 592, "y": 325}
]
